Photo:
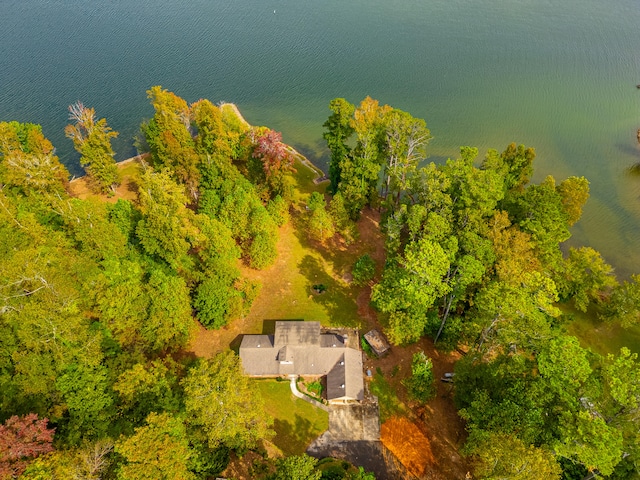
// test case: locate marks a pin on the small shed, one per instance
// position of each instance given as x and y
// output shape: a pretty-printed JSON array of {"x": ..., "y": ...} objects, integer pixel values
[{"x": 377, "y": 342}]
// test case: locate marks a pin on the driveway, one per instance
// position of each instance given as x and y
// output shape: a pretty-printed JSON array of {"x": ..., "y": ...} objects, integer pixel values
[{"x": 354, "y": 436}]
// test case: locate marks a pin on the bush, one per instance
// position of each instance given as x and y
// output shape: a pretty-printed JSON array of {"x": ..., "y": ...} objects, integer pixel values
[
  {"x": 366, "y": 348},
  {"x": 363, "y": 270},
  {"x": 420, "y": 383},
  {"x": 315, "y": 388}
]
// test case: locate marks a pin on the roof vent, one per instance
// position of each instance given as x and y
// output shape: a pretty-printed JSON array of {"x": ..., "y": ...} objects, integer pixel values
[
  {"x": 258, "y": 345},
  {"x": 334, "y": 344},
  {"x": 341, "y": 363},
  {"x": 342, "y": 386}
]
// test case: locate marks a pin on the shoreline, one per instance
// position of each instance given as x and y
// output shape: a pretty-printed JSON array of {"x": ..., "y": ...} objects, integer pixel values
[{"x": 320, "y": 175}]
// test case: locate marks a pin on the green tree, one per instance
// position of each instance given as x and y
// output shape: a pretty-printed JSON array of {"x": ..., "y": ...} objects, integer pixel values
[
  {"x": 341, "y": 220},
  {"x": 624, "y": 303},
  {"x": 338, "y": 130},
  {"x": 587, "y": 438},
  {"x": 297, "y": 467},
  {"x": 320, "y": 225},
  {"x": 359, "y": 172},
  {"x": 505, "y": 457},
  {"x": 221, "y": 403},
  {"x": 410, "y": 287},
  {"x": 166, "y": 228},
  {"x": 157, "y": 451},
  {"x": 574, "y": 192},
  {"x": 406, "y": 142},
  {"x": 92, "y": 139},
  {"x": 514, "y": 165},
  {"x": 586, "y": 278},
  {"x": 420, "y": 383},
  {"x": 170, "y": 140},
  {"x": 86, "y": 393},
  {"x": 363, "y": 270},
  {"x": 147, "y": 387},
  {"x": 212, "y": 136}
]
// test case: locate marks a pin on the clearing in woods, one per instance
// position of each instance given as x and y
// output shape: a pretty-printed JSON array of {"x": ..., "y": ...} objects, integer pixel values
[{"x": 425, "y": 438}]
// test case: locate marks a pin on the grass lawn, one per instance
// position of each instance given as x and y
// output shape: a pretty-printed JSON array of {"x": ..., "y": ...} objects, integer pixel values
[
  {"x": 296, "y": 422},
  {"x": 390, "y": 404},
  {"x": 287, "y": 285}
]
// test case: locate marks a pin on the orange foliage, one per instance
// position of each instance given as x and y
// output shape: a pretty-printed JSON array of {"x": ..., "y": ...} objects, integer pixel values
[{"x": 408, "y": 444}]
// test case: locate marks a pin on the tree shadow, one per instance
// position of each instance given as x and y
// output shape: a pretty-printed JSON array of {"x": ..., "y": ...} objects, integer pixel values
[
  {"x": 269, "y": 324},
  {"x": 292, "y": 437},
  {"x": 336, "y": 299}
]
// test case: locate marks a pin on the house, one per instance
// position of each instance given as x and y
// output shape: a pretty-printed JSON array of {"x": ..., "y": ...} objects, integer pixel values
[{"x": 301, "y": 348}]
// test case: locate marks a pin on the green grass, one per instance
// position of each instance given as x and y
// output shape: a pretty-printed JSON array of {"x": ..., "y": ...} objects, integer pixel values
[
  {"x": 287, "y": 291},
  {"x": 388, "y": 400},
  {"x": 296, "y": 422}
]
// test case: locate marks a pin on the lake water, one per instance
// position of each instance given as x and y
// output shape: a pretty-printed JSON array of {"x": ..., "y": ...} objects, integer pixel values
[{"x": 559, "y": 76}]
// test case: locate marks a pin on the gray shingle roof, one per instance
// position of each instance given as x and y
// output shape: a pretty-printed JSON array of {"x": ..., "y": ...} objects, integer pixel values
[
  {"x": 297, "y": 333},
  {"x": 298, "y": 348}
]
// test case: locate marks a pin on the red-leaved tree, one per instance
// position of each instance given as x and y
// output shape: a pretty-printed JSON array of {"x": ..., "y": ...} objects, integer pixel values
[
  {"x": 21, "y": 440},
  {"x": 275, "y": 157}
]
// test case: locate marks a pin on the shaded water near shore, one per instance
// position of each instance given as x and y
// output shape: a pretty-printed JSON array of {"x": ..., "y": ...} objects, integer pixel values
[{"x": 559, "y": 76}]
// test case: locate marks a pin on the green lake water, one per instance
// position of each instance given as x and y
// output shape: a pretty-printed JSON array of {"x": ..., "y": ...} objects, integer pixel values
[{"x": 559, "y": 76}]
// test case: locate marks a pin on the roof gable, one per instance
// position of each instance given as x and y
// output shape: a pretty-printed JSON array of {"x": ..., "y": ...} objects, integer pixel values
[{"x": 296, "y": 333}]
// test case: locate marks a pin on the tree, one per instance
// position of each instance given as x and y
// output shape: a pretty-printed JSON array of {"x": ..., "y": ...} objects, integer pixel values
[
  {"x": 363, "y": 270},
  {"x": 92, "y": 139},
  {"x": 276, "y": 161},
  {"x": 514, "y": 249},
  {"x": 29, "y": 160},
  {"x": 624, "y": 303},
  {"x": 540, "y": 212},
  {"x": 338, "y": 130},
  {"x": 359, "y": 172},
  {"x": 223, "y": 405},
  {"x": 87, "y": 222},
  {"x": 410, "y": 286},
  {"x": 361, "y": 475},
  {"x": 297, "y": 467},
  {"x": 87, "y": 396},
  {"x": 166, "y": 227},
  {"x": 587, "y": 438},
  {"x": 157, "y": 451},
  {"x": 406, "y": 142},
  {"x": 505, "y": 457},
  {"x": 170, "y": 140},
  {"x": 586, "y": 277},
  {"x": 420, "y": 383},
  {"x": 514, "y": 165},
  {"x": 22, "y": 439},
  {"x": 320, "y": 224},
  {"x": 563, "y": 363},
  {"x": 147, "y": 387},
  {"x": 212, "y": 136},
  {"x": 341, "y": 220},
  {"x": 575, "y": 193}
]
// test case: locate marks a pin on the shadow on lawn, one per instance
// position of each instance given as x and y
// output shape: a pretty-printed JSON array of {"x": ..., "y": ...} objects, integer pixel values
[
  {"x": 293, "y": 437},
  {"x": 336, "y": 299}
]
